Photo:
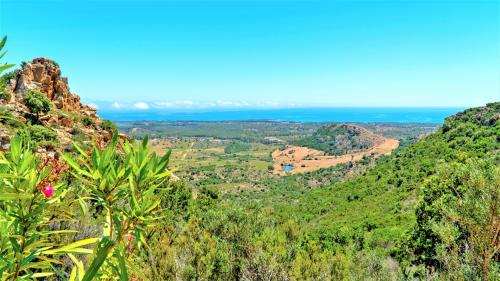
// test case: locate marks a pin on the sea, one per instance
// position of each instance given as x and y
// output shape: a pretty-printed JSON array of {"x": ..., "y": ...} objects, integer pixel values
[{"x": 338, "y": 114}]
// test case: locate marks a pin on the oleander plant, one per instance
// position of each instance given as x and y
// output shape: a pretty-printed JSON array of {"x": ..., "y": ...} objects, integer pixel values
[{"x": 79, "y": 218}]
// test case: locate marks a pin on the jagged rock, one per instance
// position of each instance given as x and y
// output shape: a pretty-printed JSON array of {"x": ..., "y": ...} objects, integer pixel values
[{"x": 44, "y": 75}]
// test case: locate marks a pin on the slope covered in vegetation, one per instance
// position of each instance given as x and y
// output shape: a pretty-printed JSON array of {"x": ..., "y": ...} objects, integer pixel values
[
  {"x": 340, "y": 139},
  {"x": 400, "y": 220},
  {"x": 381, "y": 204}
]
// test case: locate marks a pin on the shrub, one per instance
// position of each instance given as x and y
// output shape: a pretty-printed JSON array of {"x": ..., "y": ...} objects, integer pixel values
[
  {"x": 37, "y": 102},
  {"x": 5, "y": 111},
  {"x": 87, "y": 121},
  {"x": 7, "y": 117},
  {"x": 5, "y": 78},
  {"x": 5, "y": 95},
  {"x": 28, "y": 202},
  {"x": 35, "y": 201},
  {"x": 108, "y": 125},
  {"x": 39, "y": 133}
]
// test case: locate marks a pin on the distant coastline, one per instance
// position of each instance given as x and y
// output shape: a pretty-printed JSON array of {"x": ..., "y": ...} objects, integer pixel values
[{"x": 339, "y": 114}]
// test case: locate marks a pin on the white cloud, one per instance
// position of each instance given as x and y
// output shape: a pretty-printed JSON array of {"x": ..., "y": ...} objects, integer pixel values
[
  {"x": 93, "y": 105},
  {"x": 141, "y": 105},
  {"x": 163, "y": 104},
  {"x": 116, "y": 105},
  {"x": 184, "y": 102},
  {"x": 175, "y": 104},
  {"x": 232, "y": 103}
]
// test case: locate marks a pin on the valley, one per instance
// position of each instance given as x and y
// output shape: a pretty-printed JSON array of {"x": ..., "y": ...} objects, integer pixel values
[{"x": 249, "y": 156}]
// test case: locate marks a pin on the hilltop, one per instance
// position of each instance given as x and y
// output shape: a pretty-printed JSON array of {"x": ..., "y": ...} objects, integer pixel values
[
  {"x": 339, "y": 139},
  {"x": 38, "y": 99},
  {"x": 331, "y": 145}
]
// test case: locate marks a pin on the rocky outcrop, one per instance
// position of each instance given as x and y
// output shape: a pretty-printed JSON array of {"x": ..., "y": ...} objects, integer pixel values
[
  {"x": 45, "y": 75},
  {"x": 70, "y": 118}
]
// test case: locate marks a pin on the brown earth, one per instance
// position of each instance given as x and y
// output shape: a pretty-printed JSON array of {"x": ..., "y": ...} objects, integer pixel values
[{"x": 305, "y": 159}]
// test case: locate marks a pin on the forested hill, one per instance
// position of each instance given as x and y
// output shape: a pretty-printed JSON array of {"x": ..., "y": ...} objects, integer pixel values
[
  {"x": 340, "y": 139},
  {"x": 394, "y": 207}
]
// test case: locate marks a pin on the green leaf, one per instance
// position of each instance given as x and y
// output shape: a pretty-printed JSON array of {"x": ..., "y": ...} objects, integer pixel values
[
  {"x": 123, "y": 268},
  {"x": 78, "y": 266},
  {"x": 14, "y": 244},
  {"x": 2, "y": 43},
  {"x": 72, "y": 276},
  {"x": 42, "y": 274},
  {"x": 102, "y": 254},
  {"x": 74, "y": 247},
  {"x": 13, "y": 196},
  {"x": 5, "y": 66}
]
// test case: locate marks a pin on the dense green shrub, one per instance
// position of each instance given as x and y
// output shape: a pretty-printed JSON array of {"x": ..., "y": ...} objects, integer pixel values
[
  {"x": 5, "y": 95},
  {"x": 39, "y": 201},
  {"x": 6, "y": 111},
  {"x": 108, "y": 125},
  {"x": 40, "y": 133},
  {"x": 37, "y": 102},
  {"x": 87, "y": 121}
]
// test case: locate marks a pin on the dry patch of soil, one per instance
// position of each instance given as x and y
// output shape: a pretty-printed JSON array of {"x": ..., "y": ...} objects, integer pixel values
[{"x": 305, "y": 159}]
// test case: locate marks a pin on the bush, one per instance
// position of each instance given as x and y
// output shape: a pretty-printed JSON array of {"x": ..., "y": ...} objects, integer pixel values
[
  {"x": 87, "y": 121},
  {"x": 37, "y": 102},
  {"x": 108, "y": 125},
  {"x": 39, "y": 133},
  {"x": 5, "y": 111},
  {"x": 5, "y": 95},
  {"x": 5, "y": 79},
  {"x": 36, "y": 200}
]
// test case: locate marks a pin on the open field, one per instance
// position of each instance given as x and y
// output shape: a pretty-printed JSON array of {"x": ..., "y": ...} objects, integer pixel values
[{"x": 305, "y": 159}]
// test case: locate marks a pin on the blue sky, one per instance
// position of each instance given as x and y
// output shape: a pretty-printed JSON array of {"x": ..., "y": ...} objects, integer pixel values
[{"x": 229, "y": 54}]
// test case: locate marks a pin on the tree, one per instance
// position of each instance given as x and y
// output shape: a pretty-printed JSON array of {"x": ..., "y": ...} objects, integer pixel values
[
  {"x": 457, "y": 227},
  {"x": 37, "y": 102},
  {"x": 471, "y": 221}
]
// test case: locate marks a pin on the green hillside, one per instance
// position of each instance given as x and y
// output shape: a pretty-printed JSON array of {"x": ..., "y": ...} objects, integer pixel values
[
  {"x": 338, "y": 139},
  {"x": 390, "y": 188},
  {"x": 397, "y": 221},
  {"x": 392, "y": 210},
  {"x": 386, "y": 202}
]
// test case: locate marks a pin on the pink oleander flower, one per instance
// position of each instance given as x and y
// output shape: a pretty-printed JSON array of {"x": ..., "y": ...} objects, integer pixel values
[
  {"x": 48, "y": 191},
  {"x": 129, "y": 236}
]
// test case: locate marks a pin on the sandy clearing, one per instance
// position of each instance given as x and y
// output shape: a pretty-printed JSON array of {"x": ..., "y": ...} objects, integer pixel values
[{"x": 307, "y": 159}]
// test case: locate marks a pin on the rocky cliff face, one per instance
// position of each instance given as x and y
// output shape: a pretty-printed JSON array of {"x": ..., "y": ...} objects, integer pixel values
[
  {"x": 69, "y": 117},
  {"x": 45, "y": 75}
]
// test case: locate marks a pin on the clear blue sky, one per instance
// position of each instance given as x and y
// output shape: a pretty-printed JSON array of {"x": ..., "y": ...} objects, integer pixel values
[{"x": 168, "y": 54}]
